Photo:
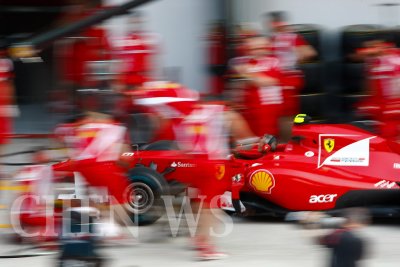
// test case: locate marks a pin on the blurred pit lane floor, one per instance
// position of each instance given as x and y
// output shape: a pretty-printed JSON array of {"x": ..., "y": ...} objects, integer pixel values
[{"x": 266, "y": 243}]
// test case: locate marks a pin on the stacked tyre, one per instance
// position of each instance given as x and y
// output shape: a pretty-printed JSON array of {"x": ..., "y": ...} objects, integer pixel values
[
  {"x": 311, "y": 96},
  {"x": 353, "y": 71}
]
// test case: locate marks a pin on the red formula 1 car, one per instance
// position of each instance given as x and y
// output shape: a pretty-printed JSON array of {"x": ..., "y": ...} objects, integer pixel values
[{"x": 324, "y": 167}]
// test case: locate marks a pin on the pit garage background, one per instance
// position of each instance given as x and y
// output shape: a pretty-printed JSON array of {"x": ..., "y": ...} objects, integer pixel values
[{"x": 333, "y": 84}]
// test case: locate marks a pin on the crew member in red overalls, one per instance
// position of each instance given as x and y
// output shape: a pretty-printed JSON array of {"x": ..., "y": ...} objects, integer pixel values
[
  {"x": 92, "y": 47},
  {"x": 95, "y": 144},
  {"x": 33, "y": 213},
  {"x": 383, "y": 63},
  {"x": 291, "y": 49},
  {"x": 201, "y": 131},
  {"x": 82, "y": 56},
  {"x": 8, "y": 109},
  {"x": 236, "y": 86},
  {"x": 241, "y": 33},
  {"x": 263, "y": 86},
  {"x": 136, "y": 53}
]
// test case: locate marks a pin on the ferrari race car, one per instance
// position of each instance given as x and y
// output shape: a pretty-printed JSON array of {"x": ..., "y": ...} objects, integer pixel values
[{"x": 325, "y": 167}]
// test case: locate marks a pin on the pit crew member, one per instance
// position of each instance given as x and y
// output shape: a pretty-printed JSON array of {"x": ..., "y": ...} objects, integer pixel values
[
  {"x": 383, "y": 72},
  {"x": 291, "y": 49},
  {"x": 263, "y": 86},
  {"x": 8, "y": 109},
  {"x": 136, "y": 52},
  {"x": 201, "y": 132},
  {"x": 95, "y": 142}
]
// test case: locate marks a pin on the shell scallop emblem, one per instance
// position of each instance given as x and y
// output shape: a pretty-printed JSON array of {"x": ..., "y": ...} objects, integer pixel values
[{"x": 262, "y": 181}]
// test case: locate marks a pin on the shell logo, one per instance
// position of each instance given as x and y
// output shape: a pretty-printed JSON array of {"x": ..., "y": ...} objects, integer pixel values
[{"x": 262, "y": 181}]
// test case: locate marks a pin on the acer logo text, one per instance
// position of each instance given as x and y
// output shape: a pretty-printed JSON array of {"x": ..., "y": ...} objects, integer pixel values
[{"x": 322, "y": 198}]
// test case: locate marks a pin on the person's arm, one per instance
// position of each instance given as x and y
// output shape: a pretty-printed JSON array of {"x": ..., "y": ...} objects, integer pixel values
[
  {"x": 238, "y": 126},
  {"x": 304, "y": 50},
  {"x": 260, "y": 79},
  {"x": 305, "y": 53}
]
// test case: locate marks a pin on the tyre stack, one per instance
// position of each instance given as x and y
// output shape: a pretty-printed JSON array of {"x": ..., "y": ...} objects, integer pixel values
[
  {"x": 353, "y": 71},
  {"x": 394, "y": 35},
  {"x": 312, "y": 94}
]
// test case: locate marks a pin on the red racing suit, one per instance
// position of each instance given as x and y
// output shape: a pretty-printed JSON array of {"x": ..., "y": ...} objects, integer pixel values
[
  {"x": 284, "y": 47},
  {"x": 384, "y": 102},
  {"x": 38, "y": 178},
  {"x": 203, "y": 135},
  {"x": 95, "y": 148},
  {"x": 78, "y": 56},
  {"x": 135, "y": 52},
  {"x": 6, "y": 99},
  {"x": 263, "y": 104},
  {"x": 200, "y": 132}
]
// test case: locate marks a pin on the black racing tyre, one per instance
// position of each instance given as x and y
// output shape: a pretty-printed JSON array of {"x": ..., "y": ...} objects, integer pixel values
[
  {"x": 313, "y": 105},
  {"x": 394, "y": 35},
  {"x": 174, "y": 186},
  {"x": 144, "y": 195},
  {"x": 354, "y": 78},
  {"x": 349, "y": 102},
  {"x": 313, "y": 78}
]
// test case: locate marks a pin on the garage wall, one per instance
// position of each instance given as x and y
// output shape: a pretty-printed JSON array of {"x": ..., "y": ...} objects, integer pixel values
[{"x": 182, "y": 25}]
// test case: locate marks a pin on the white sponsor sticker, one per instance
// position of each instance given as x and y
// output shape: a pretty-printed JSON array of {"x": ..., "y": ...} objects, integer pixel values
[
  {"x": 128, "y": 154},
  {"x": 396, "y": 165},
  {"x": 385, "y": 184},
  {"x": 329, "y": 198},
  {"x": 309, "y": 154},
  {"x": 354, "y": 154},
  {"x": 256, "y": 164},
  {"x": 182, "y": 165}
]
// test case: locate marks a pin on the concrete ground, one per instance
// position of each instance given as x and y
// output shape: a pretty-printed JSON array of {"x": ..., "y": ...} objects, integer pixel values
[{"x": 262, "y": 242}]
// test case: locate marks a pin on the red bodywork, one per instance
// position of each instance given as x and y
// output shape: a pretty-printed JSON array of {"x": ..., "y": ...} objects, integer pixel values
[{"x": 324, "y": 167}]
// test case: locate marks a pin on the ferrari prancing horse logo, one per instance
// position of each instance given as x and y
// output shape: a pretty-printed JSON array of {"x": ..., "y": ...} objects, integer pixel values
[
  {"x": 219, "y": 171},
  {"x": 329, "y": 144}
]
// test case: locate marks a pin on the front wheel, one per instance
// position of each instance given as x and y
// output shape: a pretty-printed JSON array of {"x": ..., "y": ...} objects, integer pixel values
[{"x": 144, "y": 195}]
